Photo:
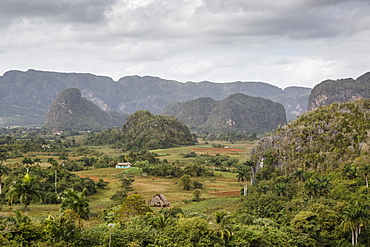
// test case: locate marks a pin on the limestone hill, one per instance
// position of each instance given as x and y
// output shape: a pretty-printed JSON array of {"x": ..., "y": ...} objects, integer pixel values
[
  {"x": 144, "y": 130},
  {"x": 70, "y": 111},
  {"x": 340, "y": 91},
  {"x": 236, "y": 113},
  {"x": 322, "y": 140}
]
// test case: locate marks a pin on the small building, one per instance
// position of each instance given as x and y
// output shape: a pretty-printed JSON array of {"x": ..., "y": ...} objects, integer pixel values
[
  {"x": 159, "y": 200},
  {"x": 124, "y": 165}
]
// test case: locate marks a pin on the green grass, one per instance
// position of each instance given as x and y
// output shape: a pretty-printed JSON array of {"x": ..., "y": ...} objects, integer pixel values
[
  {"x": 242, "y": 152},
  {"x": 211, "y": 206},
  {"x": 219, "y": 192},
  {"x": 220, "y": 186}
]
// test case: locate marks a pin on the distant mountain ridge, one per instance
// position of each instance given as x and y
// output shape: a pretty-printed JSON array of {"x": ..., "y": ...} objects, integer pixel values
[
  {"x": 25, "y": 97},
  {"x": 236, "y": 113},
  {"x": 339, "y": 91}
]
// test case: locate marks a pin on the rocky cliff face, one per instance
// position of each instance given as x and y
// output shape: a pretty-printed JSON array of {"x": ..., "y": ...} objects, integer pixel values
[
  {"x": 70, "y": 111},
  {"x": 236, "y": 113},
  {"x": 25, "y": 97},
  {"x": 321, "y": 139},
  {"x": 193, "y": 113},
  {"x": 340, "y": 91},
  {"x": 295, "y": 101}
]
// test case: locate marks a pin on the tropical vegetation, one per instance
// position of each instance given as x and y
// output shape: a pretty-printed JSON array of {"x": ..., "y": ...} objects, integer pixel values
[{"x": 304, "y": 185}]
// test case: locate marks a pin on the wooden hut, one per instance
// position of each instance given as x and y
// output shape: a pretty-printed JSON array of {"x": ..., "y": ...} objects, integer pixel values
[{"x": 159, "y": 200}]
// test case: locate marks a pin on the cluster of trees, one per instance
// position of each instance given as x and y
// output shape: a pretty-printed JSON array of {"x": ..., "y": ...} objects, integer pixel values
[
  {"x": 218, "y": 162},
  {"x": 176, "y": 170},
  {"x": 133, "y": 223},
  {"x": 61, "y": 230},
  {"x": 39, "y": 185},
  {"x": 314, "y": 209},
  {"x": 111, "y": 136},
  {"x": 17, "y": 144},
  {"x": 231, "y": 137}
]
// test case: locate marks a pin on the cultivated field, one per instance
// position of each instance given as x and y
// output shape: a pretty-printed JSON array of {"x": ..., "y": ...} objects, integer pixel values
[{"x": 219, "y": 192}]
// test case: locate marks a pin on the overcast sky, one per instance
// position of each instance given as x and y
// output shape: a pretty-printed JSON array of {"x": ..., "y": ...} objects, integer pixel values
[{"x": 281, "y": 42}]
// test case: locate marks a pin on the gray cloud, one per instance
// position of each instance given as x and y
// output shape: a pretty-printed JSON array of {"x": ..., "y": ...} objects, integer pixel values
[
  {"x": 67, "y": 11},
  {"x": 283, "y": 42}
]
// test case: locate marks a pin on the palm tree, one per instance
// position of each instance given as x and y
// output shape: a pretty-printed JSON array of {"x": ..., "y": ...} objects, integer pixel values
[
  {"x": 317, "y": 187},
  {"x": 160, "y": 222},
  {"x": 3, "y": 169},
  {"x": 355, "y": 217},
  {"x": 324, "y": 185},
  {"x": 54, "y": 164},
  {"x": 64, "y": 157},
  {"x": 365, "y": 170},
  {"x": 252, "y": 165},
  {"x": 242, "y": 176},
  {"x": 311, "y": 186},
  {"x": 13, "y": 222},
  {"x": 350, "y": 171},
  {"x": 220, "y": 217},
  {"x": 77, "y": 202},
  {"x": 24, "y": 190},
  {"x": 28, "y": 162},
  {"x": 299, "y": 175},
  {"x": 281, "y": 189},
  {"x": 18, "y": 217},
  {"x": 36, "y": 160},
  {"x": 223, "y": 229}
]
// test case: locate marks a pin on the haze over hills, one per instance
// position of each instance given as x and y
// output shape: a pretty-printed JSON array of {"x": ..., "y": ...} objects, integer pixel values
[
  {"x": 236, "y": 113},
  {"x": 25, "y": 97}
]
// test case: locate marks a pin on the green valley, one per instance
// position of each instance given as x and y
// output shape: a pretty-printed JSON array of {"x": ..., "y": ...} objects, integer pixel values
[{"x": 305, "y": 184}]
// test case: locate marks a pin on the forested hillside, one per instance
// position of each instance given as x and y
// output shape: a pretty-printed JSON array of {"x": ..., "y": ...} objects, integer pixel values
[
  {"x": 322, "y": 140},
  {"x": 236, "y": 113},
  {"x": 193, "y": 113},
  {"x": 144, "y": 130}
]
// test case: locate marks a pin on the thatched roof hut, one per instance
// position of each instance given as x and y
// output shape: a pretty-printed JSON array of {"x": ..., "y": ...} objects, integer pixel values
[{"x": 159, "y": 200}]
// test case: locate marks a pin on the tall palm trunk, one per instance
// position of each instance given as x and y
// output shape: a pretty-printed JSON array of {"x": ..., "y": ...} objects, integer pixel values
[
  {"x": 367, "y": 181},
  {"x": 245, "y": 188},
  {"x": 353, "y": 237}
]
